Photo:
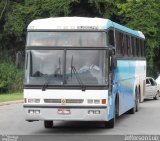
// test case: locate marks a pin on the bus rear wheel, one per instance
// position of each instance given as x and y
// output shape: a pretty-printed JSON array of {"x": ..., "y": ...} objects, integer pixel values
[
  {"x": 137, "y": 100},
  {"x": 48, "y": 124},
  {"x": 136, "y": 103}
]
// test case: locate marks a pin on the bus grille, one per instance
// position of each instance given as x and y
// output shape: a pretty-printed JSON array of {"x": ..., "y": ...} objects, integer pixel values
[{"x": 67, "y": 100}]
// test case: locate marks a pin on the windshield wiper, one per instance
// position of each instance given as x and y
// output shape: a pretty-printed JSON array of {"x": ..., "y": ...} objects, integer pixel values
[
  {"x": 45, "y": 85},
  {"x": 73, "y": 69}
]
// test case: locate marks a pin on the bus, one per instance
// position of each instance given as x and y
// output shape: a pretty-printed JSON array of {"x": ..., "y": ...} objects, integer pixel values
[{"x": 82, "y": 69}]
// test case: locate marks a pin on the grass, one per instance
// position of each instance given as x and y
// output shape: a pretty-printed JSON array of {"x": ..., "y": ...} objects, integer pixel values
[{"x": 11, "y": 97}]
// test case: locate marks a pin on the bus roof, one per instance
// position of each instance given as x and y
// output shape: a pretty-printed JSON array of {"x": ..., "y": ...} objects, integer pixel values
[{"x": 81, "y": 23}]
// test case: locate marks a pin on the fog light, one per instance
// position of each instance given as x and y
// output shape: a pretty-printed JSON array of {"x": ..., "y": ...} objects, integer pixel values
[
  {"x": 37, "y": 111},
  {"x": 90, "y": 112},
  {"x": 97, "y": 112},
  {"x": 31, "y": 111},
  {"x": 93, "y": 112},
  {"x": 34, "y": 111}
]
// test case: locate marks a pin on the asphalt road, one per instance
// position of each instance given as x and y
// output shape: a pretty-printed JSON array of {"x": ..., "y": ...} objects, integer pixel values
[{"x": 146, "y": 121}]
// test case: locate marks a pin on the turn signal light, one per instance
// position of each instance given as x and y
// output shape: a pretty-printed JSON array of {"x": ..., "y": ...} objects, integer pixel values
[{"x": 103, "y": 101}]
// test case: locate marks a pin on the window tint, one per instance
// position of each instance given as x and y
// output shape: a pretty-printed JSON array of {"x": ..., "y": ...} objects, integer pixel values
[
  {"x": 137, "y": 47},
  {"x": 111, "y": 37},
  {"x": 147, "y": 81},
  {"x": 133, "y": 46},
  {"x": 152, "y": 82},
  {"x": 118, "y": 42},
  {"x": 143, "y": 50},
  {"x": 129, "y": 48},
  {"x": 129, "y": 45}
]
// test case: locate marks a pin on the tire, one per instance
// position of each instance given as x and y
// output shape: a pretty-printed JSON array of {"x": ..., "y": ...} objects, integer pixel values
[
  {"x": 48, "y": 124},
  {"x": 136, "y": 104},
  {"x": 137, "y": 100},
  {"x": 157, "y": 96},
  {"x": 111, "y": 123},
  {"x": 132, "y": 111}
]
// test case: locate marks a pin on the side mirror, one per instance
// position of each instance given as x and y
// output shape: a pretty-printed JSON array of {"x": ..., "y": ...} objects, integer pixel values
[
  {"x": 113, "y": 59},
  {"x": 147, "y": 85},
  {"x": 19, "y": 59},
  {"x": 115, "y": 62}
]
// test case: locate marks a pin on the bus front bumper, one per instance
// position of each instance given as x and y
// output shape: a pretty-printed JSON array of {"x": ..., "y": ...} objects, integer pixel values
[{"x": 65, "y": 113}]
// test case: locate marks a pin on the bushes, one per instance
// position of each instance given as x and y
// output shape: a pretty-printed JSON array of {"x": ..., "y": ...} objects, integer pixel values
[{"x": 11, "y": 78}]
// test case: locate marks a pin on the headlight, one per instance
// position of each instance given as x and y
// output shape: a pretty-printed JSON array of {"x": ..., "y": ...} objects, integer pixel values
[
  {"x": 93, "y": 101},
  {"x": 33, "y": 100},
  {"x": 90, "y": 101},
  {"x": 96, "y": 101}
]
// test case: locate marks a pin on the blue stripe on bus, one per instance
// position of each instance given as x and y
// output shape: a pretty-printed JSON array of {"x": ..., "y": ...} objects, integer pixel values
[
  {"x": 109, "y": 24},
  {"x": 124, "y": 79}
]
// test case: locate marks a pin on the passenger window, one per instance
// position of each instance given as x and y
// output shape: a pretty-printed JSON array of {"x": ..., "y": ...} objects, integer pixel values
[
  {"x": 123, "y": 44},
  {"x": 147, "y": 81},
  {"x": 129, "y": 48},
  {"x": 143, "y": 50},
  {"x": 118, "y": 43},
  {"x": 133, "y": 47},
  {"x": 111, "y": 37},
  {"x": 137, "y": 47},
  {"x": 153, "y": 83}
]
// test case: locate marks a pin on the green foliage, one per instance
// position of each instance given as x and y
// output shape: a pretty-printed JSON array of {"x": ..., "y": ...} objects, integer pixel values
[
  {"x": 143, "y": 15},
  {"x": 10, "y": 78},
  {"x": 4, "y": 97}
]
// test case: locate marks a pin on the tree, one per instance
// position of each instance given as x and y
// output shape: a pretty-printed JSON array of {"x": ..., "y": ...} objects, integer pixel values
[{"x": 143, "y": 15}]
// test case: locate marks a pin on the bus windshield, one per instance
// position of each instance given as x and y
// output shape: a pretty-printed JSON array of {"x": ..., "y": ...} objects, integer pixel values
[
  {"x": 68, "y": 67},
  {"x": 75, "y": 39}
]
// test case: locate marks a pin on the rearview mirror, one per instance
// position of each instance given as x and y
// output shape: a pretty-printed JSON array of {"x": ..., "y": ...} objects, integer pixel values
[
  {"x": 19, "y": 59},
  {"x": 148, "y": 85}
]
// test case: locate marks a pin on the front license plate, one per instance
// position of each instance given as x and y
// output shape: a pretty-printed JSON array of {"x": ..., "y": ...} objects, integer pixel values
[{"x": 64, "y": 111}]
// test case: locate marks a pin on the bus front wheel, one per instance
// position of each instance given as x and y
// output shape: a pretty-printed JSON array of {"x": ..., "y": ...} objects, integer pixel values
[
  {"x": 110, "y": 123},
  {"x": 48, "y": 124}
]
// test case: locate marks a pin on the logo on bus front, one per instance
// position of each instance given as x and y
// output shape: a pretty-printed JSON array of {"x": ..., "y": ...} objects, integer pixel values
[{"x": 63, "y": 101}]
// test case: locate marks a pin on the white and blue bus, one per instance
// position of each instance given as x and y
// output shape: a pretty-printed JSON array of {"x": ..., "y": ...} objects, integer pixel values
[{"x": 82, "y": 69}]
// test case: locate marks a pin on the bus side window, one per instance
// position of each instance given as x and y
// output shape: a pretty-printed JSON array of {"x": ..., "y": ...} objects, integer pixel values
[
  {"x": 118, "y": 42},
  {"x": 26, "y": 63},
  {"x": 132, "y": 44},
  {"x": 129, "y": 48},
  {"x": 137, "y": 47},
  {"x": 144, "y": 48},
  {"x": 107, "y": 39},
  {"x": 124, "y": 44},
  {"x": 111, "y": 37},
  {"x": 142, "y": 52},
  {"x": 139, "y": 54}
]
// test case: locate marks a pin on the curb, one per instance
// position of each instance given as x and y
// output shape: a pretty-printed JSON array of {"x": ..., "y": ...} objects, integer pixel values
[{"x": 11, "y": 102}]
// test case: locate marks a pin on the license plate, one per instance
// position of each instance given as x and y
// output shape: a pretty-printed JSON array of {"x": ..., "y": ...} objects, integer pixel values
[{"x": 64, "y": 111}]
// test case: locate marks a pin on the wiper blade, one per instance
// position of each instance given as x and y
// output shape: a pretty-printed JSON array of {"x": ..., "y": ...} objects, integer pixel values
[
  {"x": 45, "y": 85},
  {"x": 73, "y": 69}
]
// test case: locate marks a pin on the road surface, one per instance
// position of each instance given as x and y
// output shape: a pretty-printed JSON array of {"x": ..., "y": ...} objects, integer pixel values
[{"x": 146, "y": 121}]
